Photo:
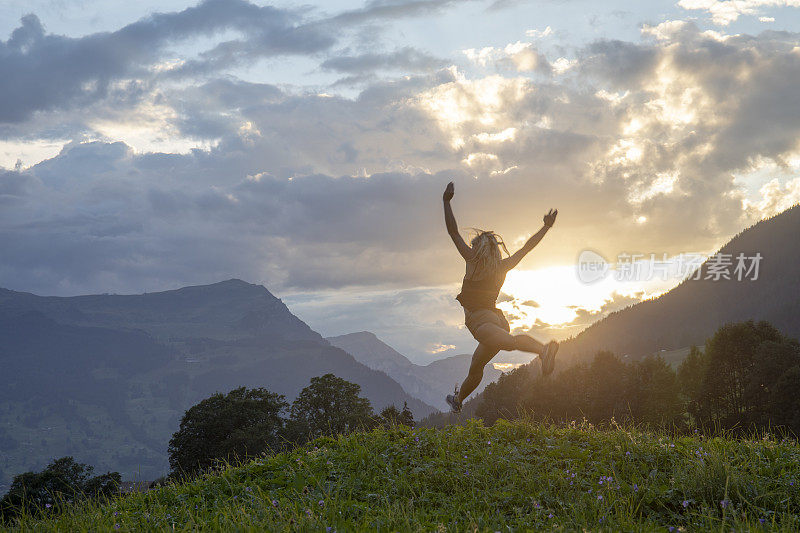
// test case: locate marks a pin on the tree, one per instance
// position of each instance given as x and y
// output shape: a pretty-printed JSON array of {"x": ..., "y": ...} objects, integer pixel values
[
  {"x": 227, "y": 427},
  {"x": 731, "y": 355},
  {"x": 329, "y": 406},
  {"x": 63, "y": 480},
  {"x": 774, "y": 359},
  {"x": 654, "y": 393},
  {"x": 691, "y": 374},
  {"x": 406, "y": 416},
  {"x": 606, "y": 388},
  {"x": 392, "y": 416},
  {"x": 785, "y": 402}
]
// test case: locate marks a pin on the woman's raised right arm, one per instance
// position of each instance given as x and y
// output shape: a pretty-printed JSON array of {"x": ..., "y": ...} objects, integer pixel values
[{"x": 452, "y": 227}]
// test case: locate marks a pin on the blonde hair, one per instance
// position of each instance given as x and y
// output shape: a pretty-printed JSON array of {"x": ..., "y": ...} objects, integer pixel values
[{"x": 486, "y": 246}]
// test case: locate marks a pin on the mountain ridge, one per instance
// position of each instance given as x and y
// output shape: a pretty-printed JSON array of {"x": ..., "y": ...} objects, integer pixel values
[{"x": 106, "y": 378}]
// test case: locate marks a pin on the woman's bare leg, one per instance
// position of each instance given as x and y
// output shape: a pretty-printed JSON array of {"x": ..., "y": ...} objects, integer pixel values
[
  {"x": 483, "y": 354},
  {"x": 494, "y": 336}
]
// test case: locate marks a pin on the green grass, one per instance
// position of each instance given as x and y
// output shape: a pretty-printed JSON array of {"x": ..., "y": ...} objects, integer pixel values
[{"x": 514, "y": 476}]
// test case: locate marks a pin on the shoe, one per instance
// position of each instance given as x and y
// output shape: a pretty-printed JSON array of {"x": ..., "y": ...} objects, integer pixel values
[
  {"x": 453, "y": 401},
  {"x": 549, "y": 358}
]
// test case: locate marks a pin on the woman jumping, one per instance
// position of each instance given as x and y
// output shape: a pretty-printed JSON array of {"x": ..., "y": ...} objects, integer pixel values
[{"x": 486, "y": 272}]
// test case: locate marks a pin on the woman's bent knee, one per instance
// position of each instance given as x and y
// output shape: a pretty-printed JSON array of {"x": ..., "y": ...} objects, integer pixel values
[{"x": 495, "y": 337}]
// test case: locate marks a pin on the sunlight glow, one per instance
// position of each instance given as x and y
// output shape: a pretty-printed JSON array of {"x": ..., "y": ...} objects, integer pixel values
[{"x": 553, "y": 298}]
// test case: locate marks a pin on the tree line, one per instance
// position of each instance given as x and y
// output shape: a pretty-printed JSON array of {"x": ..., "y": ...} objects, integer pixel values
[
  {"x": 247, "y": 423},
  {"x": 746, "y": 378}
]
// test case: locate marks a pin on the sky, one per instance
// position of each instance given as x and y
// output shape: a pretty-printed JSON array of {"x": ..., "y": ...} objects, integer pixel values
[{"x": 146, "y": 146}]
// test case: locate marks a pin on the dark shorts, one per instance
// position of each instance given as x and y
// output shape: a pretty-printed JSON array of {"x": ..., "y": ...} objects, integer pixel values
[{"x": 478, "y": 317}]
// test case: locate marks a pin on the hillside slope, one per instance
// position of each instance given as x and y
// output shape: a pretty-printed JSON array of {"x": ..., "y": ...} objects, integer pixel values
[
  {"x": 510, "y": 477},
  {"x": 692, "y": 311},
  {"x": 106, "y": 378}
]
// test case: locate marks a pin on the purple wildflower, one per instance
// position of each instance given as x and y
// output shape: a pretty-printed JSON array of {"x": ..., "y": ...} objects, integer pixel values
[
  {"x": 274, "y": 503},
  {"x": 47, "y": 505},
  {"x": 724, "y": 503},
  {"x": 321, "y": 503},
  {"x": 116, "y": 526},
  {"x": 685, "y": 503}
]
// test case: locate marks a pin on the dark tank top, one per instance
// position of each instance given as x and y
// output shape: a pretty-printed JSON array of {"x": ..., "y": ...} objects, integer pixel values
[{"x": 482, "y": 293}]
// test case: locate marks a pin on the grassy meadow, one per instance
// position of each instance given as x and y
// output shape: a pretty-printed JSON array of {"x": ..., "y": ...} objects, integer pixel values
[{"x": 513, "y": 476}]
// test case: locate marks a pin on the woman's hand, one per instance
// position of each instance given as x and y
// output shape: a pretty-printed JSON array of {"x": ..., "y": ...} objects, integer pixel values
[
  {"x": 550, "y": 218},
  {"x": 449, "y": 192}
]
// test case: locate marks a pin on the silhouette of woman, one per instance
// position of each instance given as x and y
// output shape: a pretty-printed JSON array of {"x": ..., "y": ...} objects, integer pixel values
[{"x": 486, "y": 272}]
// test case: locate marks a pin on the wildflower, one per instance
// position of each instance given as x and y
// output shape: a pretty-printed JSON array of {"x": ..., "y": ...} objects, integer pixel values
[
  {"x": 635, "y": 487},
  {"x": 550, "y": 515},
  {"x": 416, "y": 439},
  {"x": 724, "y": 503},
  {"x": 274, "y": 503},
  {"x": 599, "y": 496},
  {"x": 761, "y": 520},
  {"x": 628, "y": 454},
  {"x": 489, "y": 442},
  {"x": 47, "y": 505},
  {"x": 685, "y": 503},
  {"x": 115, "y": 513},
  {"x": 321, "y": 503},
  {"x": 671, "y": 529},
  {"x": 308, "y": 512},
  {"x": 116, "y": 526},
  {"x": 248, "y": 489}
]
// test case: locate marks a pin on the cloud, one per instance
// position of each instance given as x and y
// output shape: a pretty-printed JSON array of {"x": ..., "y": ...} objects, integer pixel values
[
  {"x": 777, "y": 196},
  {"x": 406, "y": 59},
  {"x": 723, "y": 12},
  {"x": 56, "y": 72},
  {"x": 519, "y": 56},
  {"x": 306, "y": 191},
  {"x": 583, "y": 317}
]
